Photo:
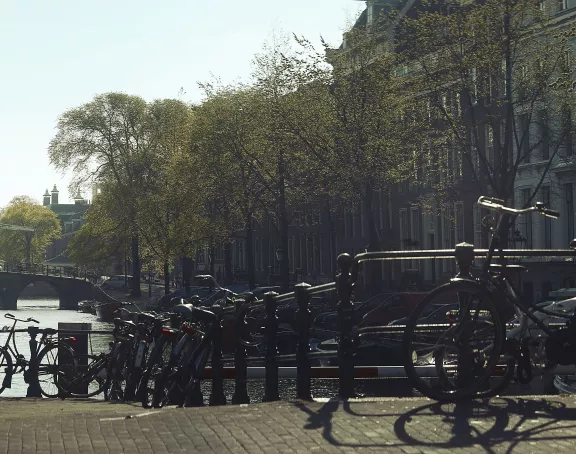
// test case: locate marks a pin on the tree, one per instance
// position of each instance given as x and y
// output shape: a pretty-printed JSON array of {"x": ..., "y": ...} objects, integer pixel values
[
  {"x": 488, "y": 73},
  {"x": 104, "y": 237},
  {"x": 227, "y": 152},
  {"x": 108, "y": 139},
  {"x": 346, "y": 110},
  {"x": 29, "y": 247}
]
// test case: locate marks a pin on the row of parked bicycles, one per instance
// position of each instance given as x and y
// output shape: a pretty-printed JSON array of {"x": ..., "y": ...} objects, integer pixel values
[{"x": 155, "y": 359}]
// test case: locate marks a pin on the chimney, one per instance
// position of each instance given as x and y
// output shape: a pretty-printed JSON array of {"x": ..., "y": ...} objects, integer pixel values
[
  {"x": 46, "y": 198},
  {"x": 78, "y": 200},
  {"x": 54, "y": 196}
]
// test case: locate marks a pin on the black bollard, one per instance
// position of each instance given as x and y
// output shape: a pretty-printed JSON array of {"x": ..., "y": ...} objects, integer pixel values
[
  {"x": 271, "y": 381},
  {"x": 240, "y": 389},
  {"x": 217, "y": 396},
  {"x": 303, "y": 372},
  {"x": 31, "y": 376},
  {"x": 345, "y": 287},
  {"x": 464, "y": 253}
]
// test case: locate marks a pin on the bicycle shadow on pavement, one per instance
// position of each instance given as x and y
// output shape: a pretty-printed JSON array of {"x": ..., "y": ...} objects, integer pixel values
[{"x": 496, "y": 423}]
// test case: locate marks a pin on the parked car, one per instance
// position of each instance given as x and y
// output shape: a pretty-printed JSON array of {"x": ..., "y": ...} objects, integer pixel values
[{"x": 116, "y": 282}]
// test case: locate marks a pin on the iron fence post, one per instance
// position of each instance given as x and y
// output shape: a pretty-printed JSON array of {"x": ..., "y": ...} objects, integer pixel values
[
  {"x": 32, "y": 372},
  {"x": 240, "y": 390},
  {"x": 271, "y": 381},
  {"x": 345, "y": 287},
  {"x": 303, "y": 372},
  {"x": 217, "y": 396},
  {"x": 464, "y": 253}
]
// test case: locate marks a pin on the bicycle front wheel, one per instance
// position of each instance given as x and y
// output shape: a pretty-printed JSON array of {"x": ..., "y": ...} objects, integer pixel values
[
  {"x": 52, "y": 361},
  {"x": 452, "y": 341},
  {"x": 6, "y": 368}
]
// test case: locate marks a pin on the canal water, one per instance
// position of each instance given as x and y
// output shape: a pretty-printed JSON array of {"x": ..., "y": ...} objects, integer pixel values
[{"x": 47, "y": 313}]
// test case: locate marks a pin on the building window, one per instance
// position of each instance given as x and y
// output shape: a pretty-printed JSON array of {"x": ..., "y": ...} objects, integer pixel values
[
  {"x": 489, "y": 148},
  {"x": 545, "y": 190},
  {"x": 524, "y": 138},
  {"x": 544, "y": 135},
  {"x": 292, "y": 253},
  {"x": 404, "y": 233},
  {"x": 569, "y": 197},
  {"x": 562, "y": 5},
  {"x": 459, "y": 221},
  {"x": 477, "y": 226},
  {"x": 525, "y": 198}
]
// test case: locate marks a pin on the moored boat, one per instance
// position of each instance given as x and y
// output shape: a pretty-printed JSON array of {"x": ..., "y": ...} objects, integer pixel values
[
  {"x": 107, "y": 311},
  {"x": 87, "y": 306}
]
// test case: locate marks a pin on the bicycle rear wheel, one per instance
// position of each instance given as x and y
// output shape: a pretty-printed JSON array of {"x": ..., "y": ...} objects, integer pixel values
[
  {"x": 453, "y": 342},
  {"x": 159, "y": 358},
  {"x": 198, "y": 363},
  {"x": 83, "y": 378}
]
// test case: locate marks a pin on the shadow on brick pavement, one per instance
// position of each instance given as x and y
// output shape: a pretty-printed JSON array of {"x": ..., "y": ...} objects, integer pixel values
[{"x": 409, "y": 425}]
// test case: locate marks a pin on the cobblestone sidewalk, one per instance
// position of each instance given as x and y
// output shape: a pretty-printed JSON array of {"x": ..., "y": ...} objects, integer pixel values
[{"x": 379, "y": 425}]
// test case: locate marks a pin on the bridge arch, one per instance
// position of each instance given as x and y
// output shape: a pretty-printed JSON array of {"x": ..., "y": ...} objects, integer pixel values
[{"x": 70, "y": 290}]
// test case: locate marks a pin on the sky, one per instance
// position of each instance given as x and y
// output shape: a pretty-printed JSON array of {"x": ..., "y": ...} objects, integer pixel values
[{"x": 59, "y": 54}]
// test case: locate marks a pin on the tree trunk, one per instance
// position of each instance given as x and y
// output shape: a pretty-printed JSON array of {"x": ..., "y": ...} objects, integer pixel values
[
  {"x": 332, "y": 240},
  {"x": 211, "y": 258},
  {"x": 228, "y": 276},
  {"x": 250, "y": 262},
  {"x": 135, "y": 267},
  {"x": 187, "y": 272},
  {"x": 166, "y": 278},
  {"x": 283, "y": 226},
  {"x": 373, "y": 268}
]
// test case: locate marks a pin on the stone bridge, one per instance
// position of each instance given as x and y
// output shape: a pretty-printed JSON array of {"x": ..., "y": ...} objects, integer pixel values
[{"x": 70, "y": 290}]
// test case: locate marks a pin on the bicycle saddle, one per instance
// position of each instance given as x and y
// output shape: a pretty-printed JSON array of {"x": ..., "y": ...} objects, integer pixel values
[{"x": 573, "y": 244}]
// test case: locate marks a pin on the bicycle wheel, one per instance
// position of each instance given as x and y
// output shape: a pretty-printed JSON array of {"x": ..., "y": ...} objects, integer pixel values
[
  {"x": 453, "y": 341},
  {"x": 84, "y": 377},
  {"x": 49, "y": 360},
  {"x": 171, "y": 385},
  {"x": 192, "y": 391},
  {"x": 6, "y": 368},
  {"x": 159, "y": 358},
  {"x": 118, "y": 371}
]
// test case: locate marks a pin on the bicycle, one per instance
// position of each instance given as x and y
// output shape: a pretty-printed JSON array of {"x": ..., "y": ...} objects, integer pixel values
[
  {"x": 89, "y": 375},
  {"x": 474, "y": 355},
  {"x": 47, "y": 351},
  {"x": 178, "y": 382}
]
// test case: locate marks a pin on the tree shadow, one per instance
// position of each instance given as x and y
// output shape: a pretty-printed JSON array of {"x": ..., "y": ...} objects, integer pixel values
[{"x": 502, "y": 423}]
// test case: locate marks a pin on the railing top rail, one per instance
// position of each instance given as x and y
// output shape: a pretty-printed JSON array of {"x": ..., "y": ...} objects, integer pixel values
[
  {"x": 321, "y": 288},
  {"x": 449, "y": 253}
]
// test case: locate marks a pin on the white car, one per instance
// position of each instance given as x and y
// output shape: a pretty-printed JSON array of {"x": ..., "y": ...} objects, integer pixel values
[{"x": 116, "y": 282}]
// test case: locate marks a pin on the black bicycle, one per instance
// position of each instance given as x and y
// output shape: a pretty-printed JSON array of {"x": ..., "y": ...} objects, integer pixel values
[
  {"x": 469, "y": 352},
  {"x": 47, "y": 353}
]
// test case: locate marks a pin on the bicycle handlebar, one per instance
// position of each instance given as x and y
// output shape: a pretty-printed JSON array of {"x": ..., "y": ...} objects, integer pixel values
[
  {"x": 498, "y": 205},
  {"x": 29, "y": 319}
]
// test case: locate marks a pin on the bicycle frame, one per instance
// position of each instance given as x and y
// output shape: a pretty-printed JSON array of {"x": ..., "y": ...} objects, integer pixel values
[{"x": 502, "y": 283}]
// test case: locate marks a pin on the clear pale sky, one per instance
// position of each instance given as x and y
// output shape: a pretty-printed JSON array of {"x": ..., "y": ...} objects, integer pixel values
[{"x": 58, "y": 54}]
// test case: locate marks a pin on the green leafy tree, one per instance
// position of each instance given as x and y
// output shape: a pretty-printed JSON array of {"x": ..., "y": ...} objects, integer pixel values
[
  {"x": 21, "y": 246},
  {"x": 109, "y": 140}
]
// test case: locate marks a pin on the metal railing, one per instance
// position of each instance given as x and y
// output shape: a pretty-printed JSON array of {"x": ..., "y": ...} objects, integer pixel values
[{"x": 52, "y": 270}]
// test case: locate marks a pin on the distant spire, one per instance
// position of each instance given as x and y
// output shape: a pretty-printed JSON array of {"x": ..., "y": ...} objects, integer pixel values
[{"x": 54, "y": 196}]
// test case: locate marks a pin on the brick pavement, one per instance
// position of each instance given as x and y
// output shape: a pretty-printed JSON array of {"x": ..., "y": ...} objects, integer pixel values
[{"x": 409, "y": 425}]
